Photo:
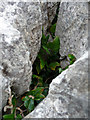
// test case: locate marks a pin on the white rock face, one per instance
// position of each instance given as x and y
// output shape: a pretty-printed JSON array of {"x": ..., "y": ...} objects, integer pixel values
[
  {"x": 68, "y": 94},
  {"x": 72, "y": 28},
  {"x": 20, "y": 39}
]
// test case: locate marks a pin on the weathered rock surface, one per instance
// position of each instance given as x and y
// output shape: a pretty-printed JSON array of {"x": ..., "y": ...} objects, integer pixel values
[
  {"x": 68, "y": 94},
  {"x": 72, "y": 28},
  {"x": 20, "y": 34}
]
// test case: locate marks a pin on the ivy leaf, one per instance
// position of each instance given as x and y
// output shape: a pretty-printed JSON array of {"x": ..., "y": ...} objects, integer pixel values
[
  {"x": 8, "y": 117},
  {"x": 45, "y": 92},
  {"x": 60, "y": 70},
  {"x": 38, "y": 91},
  {"x": 55, "y": 45},
  {"x": 18, "y": 117},
  {"x": 71, "y": 62},
  {"x": 44, "y": 39},
  {"x": 14, "y": 104},
  {"x": 54, "y": 65},
  {"x": 72, "y": 58},
  {"x": 36, "y": 76},
  {"x": 38, "y": 97},
  {"x": 26, "y": 103},
  {"x": 26, "y": 98},
  {"x": 35, "y": 92},
  {"x": 14, "y": 101},
  {"x": 46, "y": 49},
  {"x": 42, "y": 61},
  {"x": 53, "y": 28},
  {"x": 38, "y": 68},
  {"x": 31, "y": 105}
]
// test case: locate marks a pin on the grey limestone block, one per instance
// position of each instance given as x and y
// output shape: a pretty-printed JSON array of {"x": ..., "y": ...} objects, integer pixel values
[
  {"x": 20, "y": 40},
  {"x": 21, "y": 24},
  {"x": 72, "y": 28}
]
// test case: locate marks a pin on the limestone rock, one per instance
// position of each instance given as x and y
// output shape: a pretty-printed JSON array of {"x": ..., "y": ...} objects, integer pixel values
[
  {"x": 72, "y": 28},
  {"x": 20, "y": 39},
  {"x": 68, "y": 94}
]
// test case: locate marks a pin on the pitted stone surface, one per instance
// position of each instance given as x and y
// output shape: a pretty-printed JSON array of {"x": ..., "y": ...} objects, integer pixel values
[
  {"x": 72, "y": 28},
  {"x": 68, "y": 94},
  {"x": 20, "y": 34}
]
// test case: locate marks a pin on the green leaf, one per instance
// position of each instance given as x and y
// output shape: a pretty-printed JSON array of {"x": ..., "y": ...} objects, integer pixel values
[
  {"x": 14, "y": 109},
  {"x": 42, "y": 61},
  {"x": 26, "y": 98},
  {"x": 38, "y": 68},
  {"x": 53, "y": 28},
  {"x": 36, "y": 76},
  {"x": 71, "y": 57},
  {"x": 66, "y": 67},
  {"x": 31, "y": 105},
  {"x": 45, "y": 92},
  {"x": 54, "y": 65},
  {"x": 38, "y": 97},
  {"x": 31, "y": 93},
  {"x": 46, "y": 49},
  {"x": 47, "y": 38},
  {"x": 60, "y": 70},
  {"x": 18, "y": 117},
  {"x": 14, "y": 101},
  {"x": 71, "y": 62},
  {"x": 38, "y": 91},
  {"x": 55, "y": 45},
  {"x": 9, "y": 116},
  {"x": 44, "y": 39},
  {"x": 26, "y": 103}
]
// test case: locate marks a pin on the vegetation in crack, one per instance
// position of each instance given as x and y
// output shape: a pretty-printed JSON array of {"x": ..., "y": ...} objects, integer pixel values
[
  {"x": 52, "y": 28},
  {"x": 14, "y": 112},
  {"x": 45, "y": 68}
]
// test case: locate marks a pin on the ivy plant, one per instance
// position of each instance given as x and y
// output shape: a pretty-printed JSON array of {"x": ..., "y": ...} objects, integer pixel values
[{"x": 12, "y": 106}]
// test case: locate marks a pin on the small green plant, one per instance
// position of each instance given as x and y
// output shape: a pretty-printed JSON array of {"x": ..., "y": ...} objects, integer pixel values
[
  {"x": 46, "y": 62},
  {"x": 44, "y": 68},
  {"x": 32, "y": 97},
  {"x": 12, "y": 106}
]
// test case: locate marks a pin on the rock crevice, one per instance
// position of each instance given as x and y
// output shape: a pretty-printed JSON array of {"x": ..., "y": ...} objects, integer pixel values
[{"x": 68, "y": 92}]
